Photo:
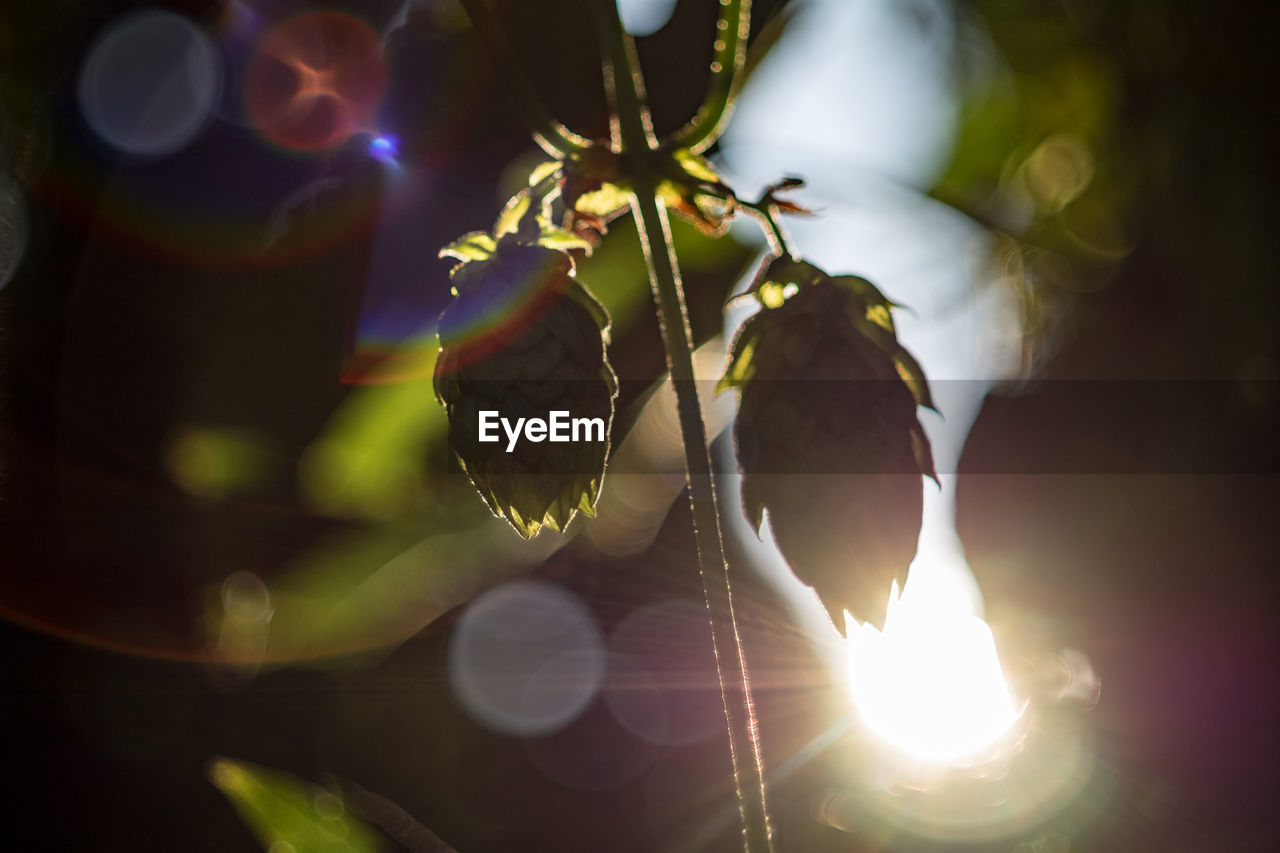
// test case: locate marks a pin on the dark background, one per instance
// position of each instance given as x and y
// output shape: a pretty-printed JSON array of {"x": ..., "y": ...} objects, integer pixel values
[{"x": 1165, "y": 578}]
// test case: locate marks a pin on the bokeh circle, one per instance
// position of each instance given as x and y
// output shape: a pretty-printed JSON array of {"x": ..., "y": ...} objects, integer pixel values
[
  {"x": 150, "y": 83},
  {"x": 526, "y": 658}
]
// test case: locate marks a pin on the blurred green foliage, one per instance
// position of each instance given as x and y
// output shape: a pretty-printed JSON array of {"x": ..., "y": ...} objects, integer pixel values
[
  {"x": 1042, "y": 155},
  {"x": 369, "y": 460},
  {"x": 289, "y": 815}
]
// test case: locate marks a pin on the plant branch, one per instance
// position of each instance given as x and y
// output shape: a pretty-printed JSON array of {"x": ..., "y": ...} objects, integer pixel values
[
  {"x": 552, "y": 136},
  {"x": 767, "y": 214},
  {"x": 634, "y": 131},
  {"x": 730, "y": 56}
]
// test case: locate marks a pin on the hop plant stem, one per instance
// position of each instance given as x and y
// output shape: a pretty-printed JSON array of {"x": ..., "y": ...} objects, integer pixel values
[
  {"x": 638, "y": 143},
  {"x": 729, "y": 57}
]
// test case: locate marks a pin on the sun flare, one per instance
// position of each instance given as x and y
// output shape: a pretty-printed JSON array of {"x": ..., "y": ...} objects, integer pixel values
[{"x": 930, "y": 684}]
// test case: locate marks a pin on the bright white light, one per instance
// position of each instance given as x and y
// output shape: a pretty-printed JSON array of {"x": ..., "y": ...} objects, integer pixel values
[{"x": 930, "y": 684}]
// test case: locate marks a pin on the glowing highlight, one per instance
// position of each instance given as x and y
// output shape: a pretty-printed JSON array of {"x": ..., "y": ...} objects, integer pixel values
[{"x": 930, "y": 684}]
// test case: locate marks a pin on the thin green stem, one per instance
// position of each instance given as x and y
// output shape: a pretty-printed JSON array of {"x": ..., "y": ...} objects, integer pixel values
[
  {"x": 632, "y": 129},
  {"x": 727, "y": 62},
  {"x": 635, "y": 134},
  {"x": 767, "y": 214},
  {"x": 552, "y": 136}
]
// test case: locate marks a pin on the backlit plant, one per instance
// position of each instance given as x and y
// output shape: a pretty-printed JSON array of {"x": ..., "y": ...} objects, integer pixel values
[{"x": 525, "y": 335}]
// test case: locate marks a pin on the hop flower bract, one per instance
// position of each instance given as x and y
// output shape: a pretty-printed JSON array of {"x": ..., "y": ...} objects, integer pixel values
[
  {"x": 827, "y": 435},
  {"x": 523, "y": 338}
]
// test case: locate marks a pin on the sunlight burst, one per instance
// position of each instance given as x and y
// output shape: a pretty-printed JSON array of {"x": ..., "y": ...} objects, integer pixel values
[{"x": 930, "y": 684}]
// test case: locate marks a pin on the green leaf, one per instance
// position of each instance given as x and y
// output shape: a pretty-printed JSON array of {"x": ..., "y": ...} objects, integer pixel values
[
  {"x": 509, "y": 219},
  {"x": 603, "y": 202},
  {"x": 543, "y": 171},
  {"x": 695, "y": 166},
  {"x": 591, "y": 183},
  {"x": 692, "y": 189},
  {"x": 474, "y": 246},
  {"x": 284, "y": 810},
  {"x": 565, "y": 241}
]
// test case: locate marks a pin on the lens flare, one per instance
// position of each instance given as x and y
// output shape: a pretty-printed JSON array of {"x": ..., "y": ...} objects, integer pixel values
[
  {"x": 930, "y": 684},
  {"x": 526, "y": 658},
  {"x": 150, "y": 83},
  {"x": 315, "y": 80}
]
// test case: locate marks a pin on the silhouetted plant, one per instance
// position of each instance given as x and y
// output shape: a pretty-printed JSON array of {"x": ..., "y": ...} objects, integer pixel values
[{"x": 554, "y": 335}]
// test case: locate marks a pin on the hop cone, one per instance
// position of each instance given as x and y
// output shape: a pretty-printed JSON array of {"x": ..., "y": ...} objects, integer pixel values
[
  {"x": 524, "y": 338},
  {"x": 827, "y": 435}
]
